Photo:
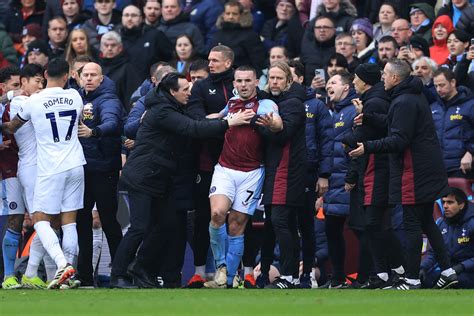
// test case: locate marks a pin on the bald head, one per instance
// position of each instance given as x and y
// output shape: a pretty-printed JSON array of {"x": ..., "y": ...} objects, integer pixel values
[
  {"x": 131, "y": 17},
  {"x": 91, "y": 77},
  {"x": 401, "y": 31}
]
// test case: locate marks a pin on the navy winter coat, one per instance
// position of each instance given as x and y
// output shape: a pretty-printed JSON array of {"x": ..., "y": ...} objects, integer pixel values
[
  {"x": 103, "y": 152},
  {"x": 337, "y": 200},
  {"x": 454, "y": 122},
  {"x": 133, "y": 120}
]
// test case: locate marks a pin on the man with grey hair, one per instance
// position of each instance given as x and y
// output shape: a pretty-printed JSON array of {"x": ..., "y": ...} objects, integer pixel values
[
  {"x": 116, "y": 65},
  {"x": 423, "y": 68},
  {"x": 417, "y": 174}
]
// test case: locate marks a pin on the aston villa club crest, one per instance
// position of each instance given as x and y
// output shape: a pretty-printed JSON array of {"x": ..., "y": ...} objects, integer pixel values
[{"x": 249, "y": 105}]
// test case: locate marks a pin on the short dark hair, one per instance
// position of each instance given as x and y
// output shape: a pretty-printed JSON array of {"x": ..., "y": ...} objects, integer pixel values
[
  {"x": 246, "y": 68},
  {"x": 199, "y": 64},
  {"x": 325, "y": 16},
  {"x": 8, "y": 72},
  {"x": 82, "y": 59},
  {"x": 387, "y": 39},
  {"x": 170, "y": 82},
  {"x": 448, "y": 73},
  {"x": 156, "y": 65},
  {"x": 57, "y": 68},
  {"x": 31, "y": 70},
  {"x": 226, "y": 51},
  {"x": 346, "y": 77},
  {"x": 234, "y": 3},
  {"x": 298, "y": 66},
  {"x": 341, "y": 61},
  {"x": 59, "y": 18},
  {"x": 459, "y": 195}
]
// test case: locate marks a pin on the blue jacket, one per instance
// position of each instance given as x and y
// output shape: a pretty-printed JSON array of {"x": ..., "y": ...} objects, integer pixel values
[
  {"x": 133, "y": 120},
  {"x": 319, "y": 137},
  {"x": 454, "y": 122},
  {"x": 458, "y": 236},
  {"x": 337, "y": 200},
  {"x": 103, "y": 152}
]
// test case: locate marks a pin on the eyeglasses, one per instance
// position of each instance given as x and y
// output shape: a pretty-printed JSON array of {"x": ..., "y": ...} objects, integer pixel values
[
  {"x": 130, "y": 15},
  {"x": 400, "y": 29},
  {"x": 104, "y": 1},
  {"x": 323, "y": 27}
]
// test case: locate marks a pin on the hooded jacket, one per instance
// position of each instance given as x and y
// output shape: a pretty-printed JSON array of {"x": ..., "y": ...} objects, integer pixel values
[
  {"x": 454, "y": 121},
  {"x": 373, "y": 171},
  {"x": 425, "y": 30},
  {"x": 285, "y": 152},
  {"x": 458, "y": 236},
  {"x": 343, "y": 18},
  {"x": 103, "y": 152},
  {"x": 240, "y": 37},
  {"x": 417, "y": 172},
  {"x": 161, "y": 142},
  {"x": 336, "y": 200},
  {"x": 439, "y": 52}
]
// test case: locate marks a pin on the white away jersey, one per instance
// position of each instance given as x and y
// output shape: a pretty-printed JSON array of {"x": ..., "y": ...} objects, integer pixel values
[
  {"x": 24, "y": 136},
  {"x": 55, "y": 113}
]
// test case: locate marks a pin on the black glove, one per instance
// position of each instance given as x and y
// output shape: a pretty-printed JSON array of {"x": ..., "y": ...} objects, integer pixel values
[
  {"x": 422, "y": 276},
  {"x": 458, "y": 268}
]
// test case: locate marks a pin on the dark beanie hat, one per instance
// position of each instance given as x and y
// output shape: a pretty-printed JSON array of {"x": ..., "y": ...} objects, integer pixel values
[
  {"x": 368, "y": 73},
  {"x": 420, "y": 43},
  {"x": 292, "y": 2},
  {"x": 38, "y": 46}
]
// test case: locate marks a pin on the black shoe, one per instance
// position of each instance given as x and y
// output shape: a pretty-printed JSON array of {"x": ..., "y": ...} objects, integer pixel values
[
  {"x": 121, "y": 283},
  {"x": 394, "y": 279},
  {"x": 280, "y": 284},
  {"x": 142, "y": 278},
  {"x": 305, "y": 281},
  {"x": 262, "y": 281},
  {"x": 335, "y": 284},
  {"x": 375, "y": 283},
  {"x": 403, "y": 285},
  {"x": 445, "y": 282},
  {"x": 356, "y": 285}
]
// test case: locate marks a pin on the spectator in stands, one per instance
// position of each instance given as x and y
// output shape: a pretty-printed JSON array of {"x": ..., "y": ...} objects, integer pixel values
[
  {"x": 22, "y": 13},
  {"x": 454, "y": 9},
  {"x": 78, "y": 45},
  {"x": 174, "y": 23},
  {"x": 336, "y": 64},
  {"x": 401, "y": 31},
  {"x": 387, "y": 15},
  {"x": 463, "y": 72},
  {"x": 277, "y": 53},
  {"x": 345, "y": 46},
  {"x": 100, "y": 138},
  {"x": 317, "y": 45},
  {"x": 362, "y": 36},
  {"x": 57, "y": 34},
  {"x": 152, "y": 13},
  {"x": 234, "y": 29},
  {"x": 458, "y": 42},
  {"x": 387, "y": 49},
  {"x": 257, "y": 15},
  {"x": 457, "y": 228},
  {"x": 199, "y": 70},
  {"x": 342, "y": 12},
  {"x": 184, "y": 54},
  {"x": 203, "y": 14},
  {"x": 144, "y": 46},
  {"x": 75, "y": 16},
  {"x": 442, "y": 26},
  {"x": 424, "y": 68},
  {"x": 276, "y": 31},
  {"x": 104, "y": 19},
  {"x": 6, "y": 46},
  {"x": 416, "y": 48},
  {"x": 453, "y": 114},
  {"x": 37, "y": 53},
  {"x": 116, "y": 65},
  {"x": 421, "y": 19},
  {"x": 466, "y": 21},
  {"x": 336, "y": 200}
]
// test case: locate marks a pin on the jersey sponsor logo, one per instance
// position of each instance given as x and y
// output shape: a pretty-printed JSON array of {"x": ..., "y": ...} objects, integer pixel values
[
  {"x": 212, "y": 91},
  {"x": 212, "y": 190},
  {"x": 463, "y": 240},
  {"x": 13, "y": 205},
  {"x": 455, "y": 117},
  {"x": 309, "y": 115},
  {"x": 339, "y": 124}
]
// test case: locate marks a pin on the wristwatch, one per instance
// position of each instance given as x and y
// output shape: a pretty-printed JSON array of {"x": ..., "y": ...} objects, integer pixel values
[{"x": 94, "y": 132}]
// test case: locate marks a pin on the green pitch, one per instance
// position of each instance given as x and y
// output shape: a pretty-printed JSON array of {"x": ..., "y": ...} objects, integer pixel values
[{"x": 236, "y": 302}]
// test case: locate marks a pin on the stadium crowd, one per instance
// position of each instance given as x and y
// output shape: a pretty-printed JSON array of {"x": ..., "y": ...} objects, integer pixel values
[{"x": 255, "y": 131}]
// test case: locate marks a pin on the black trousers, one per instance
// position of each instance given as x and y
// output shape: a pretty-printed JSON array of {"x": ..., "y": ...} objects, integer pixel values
[
  {"x": 418, "y": 219},
  {"x": 251, "y": 244},
  {"x": 384, "y": 245},
  {"x": 100, "y": 189},
  {"x": 365, "y": 263},
  {"x": 202, "y": 217},
  {"x": 336, "y": 245},
  {"x": 142, "y": 208},
  {"x": 306, "y": 229}
]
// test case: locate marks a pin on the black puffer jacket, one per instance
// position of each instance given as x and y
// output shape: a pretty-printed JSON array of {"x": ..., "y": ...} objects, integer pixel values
[
  {"x": 466, "y": 21},
  {"x": 417, "y": 172},
  {"x": 161, "y": 141}
]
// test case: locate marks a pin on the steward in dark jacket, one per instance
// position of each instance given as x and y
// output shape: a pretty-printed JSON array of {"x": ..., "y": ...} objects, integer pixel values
[
  {"x": 246, "y": 44},
  {"x": 145, "y": 46},
  {"x": 454, "y": 122}
]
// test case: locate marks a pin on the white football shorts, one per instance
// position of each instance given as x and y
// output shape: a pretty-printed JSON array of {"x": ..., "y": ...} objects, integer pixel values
[
  {"x": 27, "y": 176},
  {"x": 12, "y": 195}
]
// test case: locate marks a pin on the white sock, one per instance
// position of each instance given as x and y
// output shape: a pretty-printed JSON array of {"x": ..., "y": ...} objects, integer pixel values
[
  {"x": 97, "y": 237},
  {"x": 413, "y": 281},
  {"x": 313, "y": 274},
  {"x": 50, "y": 267},
  {"x": 448, "y": 272},
  {"x": 37, "y": 253},
  {"x": 383, "y": 276},
  {"x": 399, "y": 270},
  {"x": 50, "y": 242},
  {"x": 201, "y": 270},
  {"x": 70, "y": 243},
  {"x": 248, "y": 270},
  {"x": 289, "y": 278}
]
